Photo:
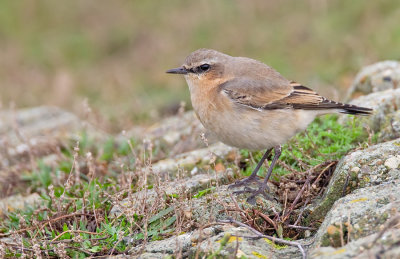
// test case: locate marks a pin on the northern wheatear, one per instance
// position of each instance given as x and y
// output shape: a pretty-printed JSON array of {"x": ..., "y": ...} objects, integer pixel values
[{"x": 247, "y": 104}]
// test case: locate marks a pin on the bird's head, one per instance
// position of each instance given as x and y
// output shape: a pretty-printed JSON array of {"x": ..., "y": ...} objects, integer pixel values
[{"x": 203, "y": 67}]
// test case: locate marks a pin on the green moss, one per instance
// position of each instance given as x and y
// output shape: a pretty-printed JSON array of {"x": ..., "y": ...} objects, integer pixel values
[{"x": 275, "y": 245}]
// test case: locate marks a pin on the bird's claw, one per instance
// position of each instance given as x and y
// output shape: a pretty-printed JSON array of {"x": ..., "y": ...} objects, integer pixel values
[
  {"x": 245, "y": 190},
  {"x": 244, "y": 182},
  {"x": 254, "y": 192}
]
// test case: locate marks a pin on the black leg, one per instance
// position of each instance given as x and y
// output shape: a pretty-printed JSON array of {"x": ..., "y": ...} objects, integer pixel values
[
  {"x": 278, "y": 152},
  {"x": 264, "y": 185},
  {"x": 253, "y": 176}
]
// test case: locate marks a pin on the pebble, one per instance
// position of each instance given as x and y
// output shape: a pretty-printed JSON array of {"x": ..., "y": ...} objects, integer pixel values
[{"x": 393, "y": 162}]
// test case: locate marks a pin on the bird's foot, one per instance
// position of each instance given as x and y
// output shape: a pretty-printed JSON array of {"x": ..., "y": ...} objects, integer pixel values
[
  {"x": 244, "y": 182},
  {"x": 254, "y": 192}
]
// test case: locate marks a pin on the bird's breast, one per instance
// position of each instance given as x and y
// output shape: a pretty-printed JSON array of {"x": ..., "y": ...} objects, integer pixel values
[{"x": 241, "y": 126}]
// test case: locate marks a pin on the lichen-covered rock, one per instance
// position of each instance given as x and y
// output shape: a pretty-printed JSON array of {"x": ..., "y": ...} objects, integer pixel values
[
  {"x": 372, "y": 246},
  {"x": 217, "y": 241},
  {"x": 204, "y": 204},
  {"x": 235, "y": 239},
  {"x": 174, "y": 135},
  {"x": 202, "y": 209},
  {"x": 37, "y": 131},
  {"x": 213, "y": 206},
  {"x": 167, "y": 246},
  {"x": 43, "y": 121},
  {"x": 390, "y": 127},
  {"x": 198, "y": 157},
  {"x": 368, "y": 167},
  {"x": 18, "y": 202},
  {"x": 376, "y": 77},
  {"x": 383, "y": 103},
  {"x": 359, "y": 214}
]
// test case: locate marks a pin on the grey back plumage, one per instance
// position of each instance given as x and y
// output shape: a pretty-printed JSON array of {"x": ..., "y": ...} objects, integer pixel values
[{"x": 251, "y": 83}]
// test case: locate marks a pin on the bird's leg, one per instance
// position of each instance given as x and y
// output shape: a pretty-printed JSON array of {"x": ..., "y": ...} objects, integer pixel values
[
  {"x": 263, "y": 186},
  {"x": 253, "y": 176}
]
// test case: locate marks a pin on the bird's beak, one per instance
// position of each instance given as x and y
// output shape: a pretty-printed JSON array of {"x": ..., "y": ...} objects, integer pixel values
[{"x": 179, "y": 70}]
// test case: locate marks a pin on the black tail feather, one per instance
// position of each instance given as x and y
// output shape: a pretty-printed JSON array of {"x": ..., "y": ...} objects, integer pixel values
[
  {"x": 345, "y": 108},
  {"x": 355, "y": 110}
]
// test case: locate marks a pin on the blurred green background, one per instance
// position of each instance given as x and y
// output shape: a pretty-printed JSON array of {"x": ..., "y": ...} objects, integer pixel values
[{"x": 115, "y": 53}]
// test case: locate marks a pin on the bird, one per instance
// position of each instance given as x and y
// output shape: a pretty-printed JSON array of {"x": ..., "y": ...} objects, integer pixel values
[{"x": 249, "y": 105}]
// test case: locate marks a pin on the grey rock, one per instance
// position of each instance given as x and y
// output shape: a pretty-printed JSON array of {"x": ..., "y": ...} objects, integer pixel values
[
  {"x": 174, "y": 135},
  {"x": 237, "y": 240},
  {"x": 204, "y": 208},
  {"x": 376, "y": 77},
  {"x": 362, "y": 168},
  {"x": 170, "y": 245},
  {"x": 211, "y": 207},
  {"x": 18, "y": 202},
  {"x": 372, "y": 246},
  {"x": 150, "y": 256},
  {"x": 360, "y": 214},
  {"x": 185, "y": 186},
  {"x": 189, "y": 160},
  {"x": 43, "y": 121},
  {"x": 36, "y": 131},
  {"x": 390, "y": 127},
  {"x": 385, "y": 105}
]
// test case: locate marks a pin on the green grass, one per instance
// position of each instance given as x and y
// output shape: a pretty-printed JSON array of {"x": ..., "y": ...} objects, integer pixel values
[
  {"x": 79, "y": 209},
  {"x": 325, "y": 139},
  {"x": 86, "y": 233}
]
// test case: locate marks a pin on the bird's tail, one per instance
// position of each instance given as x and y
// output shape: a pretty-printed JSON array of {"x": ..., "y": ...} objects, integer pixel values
[
  {"x": 347, "y": 108},
  {"x": 355, "y": 110},
  {"x": 304, "y": 98}
]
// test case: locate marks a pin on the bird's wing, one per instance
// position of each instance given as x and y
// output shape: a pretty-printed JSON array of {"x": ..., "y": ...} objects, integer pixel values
[
  {"x": 267, "y": 94},
  {"x": 280, "y": 94}
]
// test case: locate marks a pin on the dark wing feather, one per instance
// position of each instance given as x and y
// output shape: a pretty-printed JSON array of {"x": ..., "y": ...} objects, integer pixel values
[{"x": 268, "y": 95}]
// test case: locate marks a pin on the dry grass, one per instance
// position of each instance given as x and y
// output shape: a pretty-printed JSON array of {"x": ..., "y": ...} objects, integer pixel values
[{"x": 82, "y": 181}]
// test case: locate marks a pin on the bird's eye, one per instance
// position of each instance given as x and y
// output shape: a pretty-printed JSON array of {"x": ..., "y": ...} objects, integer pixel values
[{"x": 204, "y": 67}]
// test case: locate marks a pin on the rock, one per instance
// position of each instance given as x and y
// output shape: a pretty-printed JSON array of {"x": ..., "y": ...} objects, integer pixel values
[
  {"x": 174, "y": 135},
  {"x": 359, "y": 214},
  {"x": 211, "y": 207},
  {"x": 385, "y": 105},
  {"x": 203, "y": 207},
  {"x": 221, "y": 241},
  {"x": 36, "y": 132},
  {"x": 390, "y": 127},
  {"x": 148, "y": 197},
  {"x": 393, "y": 162},
  {"x": 43, "y": 121},
  {"x": 370, "y": 171},
  {"x": 18, "y": 202},
  {"x": 381, "y": 83},
  {"x": 372, "y": 246},
  {"x": 376, "y": 77},
  {"x": 167, "y": 246},
  {"x": 202, "y": 210},
  {"x": 233, "y": 239},
  {"x": 189, "y": 160}
]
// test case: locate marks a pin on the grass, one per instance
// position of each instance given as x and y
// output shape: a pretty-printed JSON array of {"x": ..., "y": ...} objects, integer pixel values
[
  {"x": 325, "y": 139},
  {"x": 75, "y": 217}
]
